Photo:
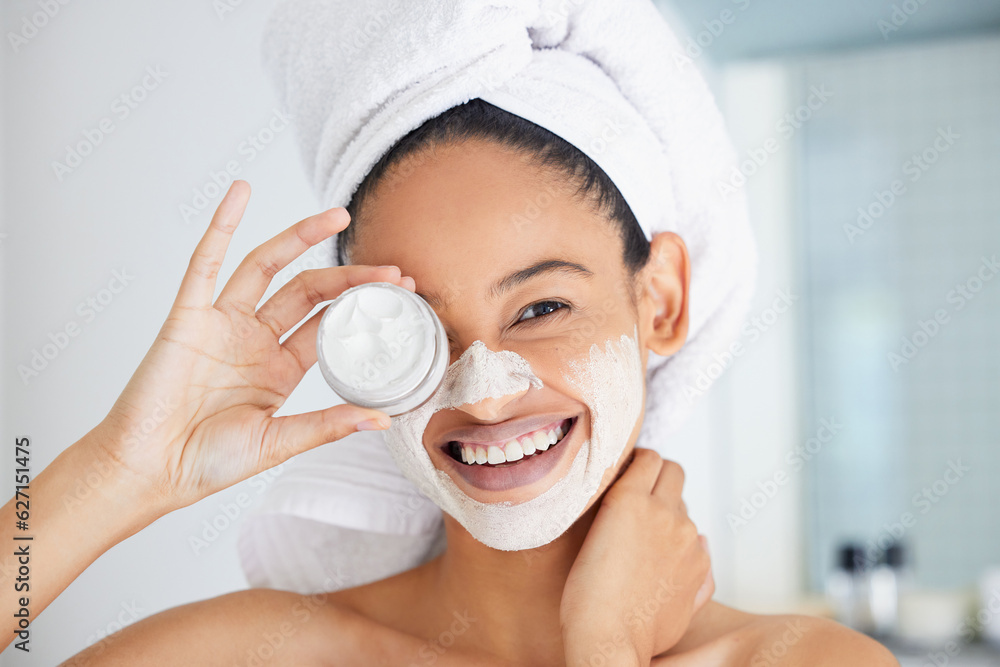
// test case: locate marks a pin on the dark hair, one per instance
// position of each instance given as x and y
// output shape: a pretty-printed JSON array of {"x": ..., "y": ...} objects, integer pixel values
[{"x": 478, "y": 119}]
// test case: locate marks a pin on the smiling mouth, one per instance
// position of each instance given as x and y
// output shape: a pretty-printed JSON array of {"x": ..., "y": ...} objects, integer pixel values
[{"x": 512, "y": 452}]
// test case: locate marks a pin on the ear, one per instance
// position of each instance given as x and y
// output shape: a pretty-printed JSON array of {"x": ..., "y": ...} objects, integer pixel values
[{"x": 663, "y": 304}]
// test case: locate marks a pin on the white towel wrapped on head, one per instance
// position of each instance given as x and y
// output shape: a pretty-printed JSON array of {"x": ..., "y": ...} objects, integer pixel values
[{"x": 609, "y": 76}]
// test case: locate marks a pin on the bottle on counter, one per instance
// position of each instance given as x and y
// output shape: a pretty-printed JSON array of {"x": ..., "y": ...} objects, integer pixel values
[
  {"x": 884, "y": 584},
  {"x": 847, "y": 587}
]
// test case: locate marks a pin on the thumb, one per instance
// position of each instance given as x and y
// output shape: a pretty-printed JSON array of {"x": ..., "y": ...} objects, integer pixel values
[
  {"x": 707, "y": 589},
  {"x": 289, "y": 435}
]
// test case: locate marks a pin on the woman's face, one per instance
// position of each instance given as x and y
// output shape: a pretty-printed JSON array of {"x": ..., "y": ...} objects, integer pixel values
[{"x": 507, "y": 256}]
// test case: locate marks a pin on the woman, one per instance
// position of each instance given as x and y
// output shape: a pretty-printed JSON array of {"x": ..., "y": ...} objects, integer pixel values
[{"x": 628, "y": 583}]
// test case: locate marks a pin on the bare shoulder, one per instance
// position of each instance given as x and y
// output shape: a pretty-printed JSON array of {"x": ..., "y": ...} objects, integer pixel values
[
  {"x": 722, "y": 635},
  {"x": 279, "y": 626},
  {"x": 398, "y": 601},
  {"x": 814, "y": 641}
]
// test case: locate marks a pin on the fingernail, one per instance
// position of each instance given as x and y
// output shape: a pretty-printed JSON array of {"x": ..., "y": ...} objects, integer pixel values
[{"x": 371, "y": 425}]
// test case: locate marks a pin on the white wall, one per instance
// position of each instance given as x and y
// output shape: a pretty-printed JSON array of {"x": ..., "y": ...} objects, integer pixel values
[
  {"x": 737, "y": 441},
  {"x": 764, "y": 422},
  {"x": 120, "y": 210}
]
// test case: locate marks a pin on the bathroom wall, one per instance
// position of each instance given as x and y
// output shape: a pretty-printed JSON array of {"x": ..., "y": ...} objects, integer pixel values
[{"x": 902, "y": 307}]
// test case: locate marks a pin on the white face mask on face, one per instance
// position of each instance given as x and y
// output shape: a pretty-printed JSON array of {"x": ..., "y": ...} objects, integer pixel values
[{"x": 610, "y": 382}]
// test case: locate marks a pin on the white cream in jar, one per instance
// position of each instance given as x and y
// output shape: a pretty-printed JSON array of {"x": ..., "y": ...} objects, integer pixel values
[{"x": 381, "y": 346}]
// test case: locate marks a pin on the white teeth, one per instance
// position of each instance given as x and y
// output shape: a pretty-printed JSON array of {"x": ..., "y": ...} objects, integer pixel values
[
  {"x": 513, "y": 451},
  {"x": 494, "y": 454},
  {"x": 541, "y": 440}
]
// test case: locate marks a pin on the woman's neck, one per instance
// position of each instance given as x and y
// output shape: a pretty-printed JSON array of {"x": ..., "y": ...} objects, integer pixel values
[{"x": 514, "y": 596}]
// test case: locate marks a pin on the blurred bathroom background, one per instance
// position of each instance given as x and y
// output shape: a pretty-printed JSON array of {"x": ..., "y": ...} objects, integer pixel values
[
  {"x": 842, "y": 463},
  {"x": 859, "y": 427}
]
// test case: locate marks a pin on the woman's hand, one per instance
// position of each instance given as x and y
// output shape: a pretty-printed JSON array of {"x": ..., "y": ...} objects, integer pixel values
[
  {"x": 642, "y": 572},
  {"x": 196, "y": 417}
]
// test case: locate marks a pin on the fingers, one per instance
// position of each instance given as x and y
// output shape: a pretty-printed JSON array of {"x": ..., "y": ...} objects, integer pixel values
[
  {"x": 251, "y": 278},
  {"x": 293, "y": 434},
  {"x": 295, "y": 299},
  {"x": 707, "y": 589},
  {"x": 641, "y": 474},
  {"x": 652, "y": 474},
  {"x": 302, "y": 342},
  {"x": 198, "y": 285},
  {"x": 670, "y": 483}
]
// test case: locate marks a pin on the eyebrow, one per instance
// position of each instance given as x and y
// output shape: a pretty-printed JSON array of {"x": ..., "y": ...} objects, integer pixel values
[{"x": 520, "y": 276}]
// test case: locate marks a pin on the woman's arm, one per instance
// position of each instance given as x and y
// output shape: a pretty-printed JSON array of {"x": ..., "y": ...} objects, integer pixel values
[
  {"x": 79, "y": 506},
  {"x": 197, "y": 415}
]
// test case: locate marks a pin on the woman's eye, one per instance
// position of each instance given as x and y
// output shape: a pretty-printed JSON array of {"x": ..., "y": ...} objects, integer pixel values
[{"x": 536, "y": 310}]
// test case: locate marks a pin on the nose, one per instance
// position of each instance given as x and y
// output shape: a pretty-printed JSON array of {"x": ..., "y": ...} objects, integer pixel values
[
  {"x": 480, "y": 374},
  {"x": 489, "y": 409}
]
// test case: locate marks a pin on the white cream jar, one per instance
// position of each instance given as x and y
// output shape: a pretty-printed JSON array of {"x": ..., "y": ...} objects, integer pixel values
[{"x": 381, "y": 346}]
